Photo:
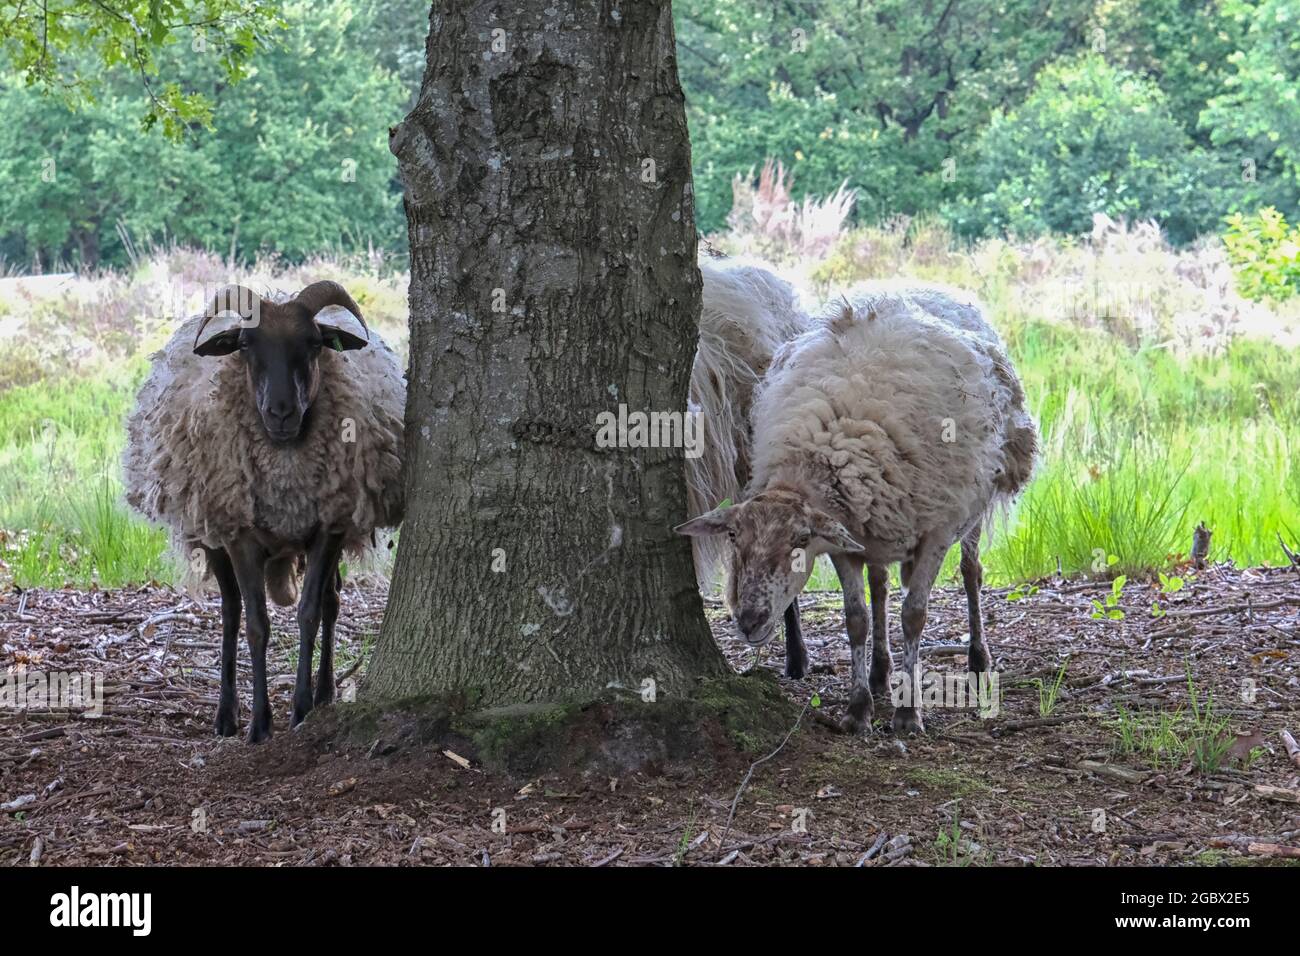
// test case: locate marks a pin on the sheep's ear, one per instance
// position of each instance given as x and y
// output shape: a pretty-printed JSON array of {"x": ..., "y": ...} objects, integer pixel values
[
  {"x": 711, "y": 522},
  {"x": 341, "y": 328},
  {"x": 219, "y": 334},
  {"x": 834, "y": 534}
]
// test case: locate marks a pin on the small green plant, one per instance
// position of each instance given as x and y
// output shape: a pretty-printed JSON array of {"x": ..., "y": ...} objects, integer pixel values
[
  {"x": 684, "y": 844},
  {"x": 949, "y": 844},
  {"x": 1265, "y": 255},
  {"x": 1049, "y": 693},
  {"x": 1168, "y": 585},
  {"x": 1255, "y": 754},
  {"x": 1167, "y": 740},
  {"x": 1154, "y": 737},
  {"x": 1211, "y": 735},
  {"x": 1111, "y": 609},
  {"x": 1022, "y": 591}
]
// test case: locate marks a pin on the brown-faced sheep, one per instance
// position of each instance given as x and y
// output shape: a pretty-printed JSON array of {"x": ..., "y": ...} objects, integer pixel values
[{"x": 747, "y": 314}]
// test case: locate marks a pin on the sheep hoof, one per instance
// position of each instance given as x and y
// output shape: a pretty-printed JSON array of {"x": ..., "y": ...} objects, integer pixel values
[
  {"x": 259, "y": 732},
  {"x": 325, "y": 692},
  {"x": 854, "y": 725},
  {"x": 796, "y": 667},
  {"x": 879, "y": 685},
  {"x": 907, "y": 721},
  {"x": 300, "y": 712},
  {"x": 226, "y": 724},
  {"x": 978, "y": 660},
  {"x": 858, "y": 716}
]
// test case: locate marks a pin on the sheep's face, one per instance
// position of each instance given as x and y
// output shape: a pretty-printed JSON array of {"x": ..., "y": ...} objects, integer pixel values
[
  {"x": 775, "y": 538},
  {"x": 280, "y": 344}
]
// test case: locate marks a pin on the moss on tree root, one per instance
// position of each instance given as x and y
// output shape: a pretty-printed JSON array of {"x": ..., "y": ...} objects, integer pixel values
[{"x": 615, "y": 733}]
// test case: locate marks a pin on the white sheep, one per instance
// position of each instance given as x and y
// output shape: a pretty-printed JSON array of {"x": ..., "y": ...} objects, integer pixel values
[
  {"x": 887, "y": 432},
  {"x": 269, "y": 432},
  {"x": 747, "y": 314}
]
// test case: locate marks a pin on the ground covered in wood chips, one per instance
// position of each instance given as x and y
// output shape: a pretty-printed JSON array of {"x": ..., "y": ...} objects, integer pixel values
[{"x": 1141, "y": 740}]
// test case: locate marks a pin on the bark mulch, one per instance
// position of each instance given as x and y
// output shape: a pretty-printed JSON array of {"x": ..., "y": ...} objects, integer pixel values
[{"x": 1047, "y": 782}]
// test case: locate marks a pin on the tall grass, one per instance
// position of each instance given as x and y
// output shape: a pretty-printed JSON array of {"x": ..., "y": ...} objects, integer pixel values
[
  {"x": 61, "y": 514},
  {"x": 1144, "y": 433}
]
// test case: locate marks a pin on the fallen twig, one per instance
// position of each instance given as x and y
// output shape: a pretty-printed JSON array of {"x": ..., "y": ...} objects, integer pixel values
[
  {"x": 1292, "y": 748},
  {"x": 1110, "y": 770},
  {"x": 1274, "y": 849},
  {"x": 752, "y": 767},
  {"x": 1012, "y": 726},
  {"x": 875, "y": 848},
  {"x": 1277, "y": 793}
]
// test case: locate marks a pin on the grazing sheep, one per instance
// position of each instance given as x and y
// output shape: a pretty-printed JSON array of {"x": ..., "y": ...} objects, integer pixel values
[
  {"x": 747, "y": 314},
  {"x": 269, "y": 433},
  {"x": 887, "y": 432}
]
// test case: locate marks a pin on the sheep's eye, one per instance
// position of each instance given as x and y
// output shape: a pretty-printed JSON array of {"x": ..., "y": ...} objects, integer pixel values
[{"x": 731, "y": 534}]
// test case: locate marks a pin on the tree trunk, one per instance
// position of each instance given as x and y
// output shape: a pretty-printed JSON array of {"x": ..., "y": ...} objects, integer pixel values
[{"x": 553, "y": 277}]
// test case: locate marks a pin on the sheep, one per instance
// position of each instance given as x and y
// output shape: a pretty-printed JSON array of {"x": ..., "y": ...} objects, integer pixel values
[
  {"x": 889, "y": 431},
  {"x": 747, "y": 313},
  {"x": 268, "y": 437}
]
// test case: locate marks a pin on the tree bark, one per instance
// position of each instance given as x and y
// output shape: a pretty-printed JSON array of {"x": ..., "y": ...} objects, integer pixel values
[{"x": 553, "y": 277}]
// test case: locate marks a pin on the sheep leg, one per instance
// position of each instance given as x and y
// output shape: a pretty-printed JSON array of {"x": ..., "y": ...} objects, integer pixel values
[
  {"x": 861, "y": 705},
  {"x": 249, "y": 561},
  {"x": 916, "y": 603},
  {"x": 227, "y": 724},
  {"x": 878, "y": 581},
  {"x": 329, "y": 614},
  {"x": 322, "y": 567},
  {"x": 972, "y": 576},
  {"x": 796, "y": 655}
]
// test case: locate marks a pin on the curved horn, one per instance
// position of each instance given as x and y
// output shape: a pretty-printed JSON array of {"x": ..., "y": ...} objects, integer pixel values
[
  {"x": 232, "y": 308},
  {"x": 336, "y": 313}
]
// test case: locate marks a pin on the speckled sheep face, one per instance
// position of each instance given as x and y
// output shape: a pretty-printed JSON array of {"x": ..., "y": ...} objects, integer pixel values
[
  {"x": 775, "y": 538},
  {"x": 770, "y": 564},
  {"x": 280, "y": 344}
]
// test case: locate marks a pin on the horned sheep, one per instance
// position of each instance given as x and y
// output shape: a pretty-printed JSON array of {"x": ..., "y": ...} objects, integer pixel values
[
  {"x": 888, "y": 431},
  {"x": 268, "y": 436}
]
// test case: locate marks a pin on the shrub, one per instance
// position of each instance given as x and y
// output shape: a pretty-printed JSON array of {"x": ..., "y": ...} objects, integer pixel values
[
  {"x": 1265, "y": 255},
  {"x": 1090, "y": 139}
]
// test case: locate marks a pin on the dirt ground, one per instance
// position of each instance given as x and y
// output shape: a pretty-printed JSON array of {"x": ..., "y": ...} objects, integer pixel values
[{"x": 147, "y": 782}]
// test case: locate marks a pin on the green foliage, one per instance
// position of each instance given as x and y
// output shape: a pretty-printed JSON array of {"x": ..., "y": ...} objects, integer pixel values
[
  {"x": 1022, "y": 591},
  {"x": 1184, "y": 45},
  {"x": 1049, "y": 694},
  {"x": 1091, "y": 138},
  {"x": 1198, "y": 733},
  {"x": 880, "y": 96},
  {"x": 1265, "y": 255},
  {"x": 1110, "y": 610},
  {"x": 296, "y": 161},
  {"x": 1008, "y": 116},
  {"x": 1259, "y": 110},
  {"x": 63, "y": 47}
]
